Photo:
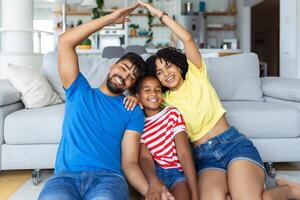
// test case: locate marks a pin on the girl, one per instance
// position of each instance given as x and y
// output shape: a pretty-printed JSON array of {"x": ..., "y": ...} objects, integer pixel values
[
  {"x": 165, "y": 155},
  {"x": 227, "y": 163}
]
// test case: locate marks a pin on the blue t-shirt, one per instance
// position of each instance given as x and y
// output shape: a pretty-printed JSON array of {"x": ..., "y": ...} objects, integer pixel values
[{"x": 93, "y": 128}]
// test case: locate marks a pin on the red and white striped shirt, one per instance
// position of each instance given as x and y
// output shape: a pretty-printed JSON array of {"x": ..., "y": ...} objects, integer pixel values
[{"x": 159, "y": 136}]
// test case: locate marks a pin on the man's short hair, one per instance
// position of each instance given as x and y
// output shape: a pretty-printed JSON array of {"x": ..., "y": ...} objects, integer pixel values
[{"x": 137, "y": 61}]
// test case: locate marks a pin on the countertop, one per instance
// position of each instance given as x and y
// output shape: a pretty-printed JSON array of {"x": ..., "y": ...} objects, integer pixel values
[{"x": 204, "y": 52}]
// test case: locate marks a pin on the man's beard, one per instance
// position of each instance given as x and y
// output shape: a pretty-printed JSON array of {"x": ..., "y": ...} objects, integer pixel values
[{"x": 112, "y": 88}]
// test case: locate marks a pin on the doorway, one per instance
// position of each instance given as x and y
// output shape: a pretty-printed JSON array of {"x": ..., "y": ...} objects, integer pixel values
[{"x": 265, "y": 34}]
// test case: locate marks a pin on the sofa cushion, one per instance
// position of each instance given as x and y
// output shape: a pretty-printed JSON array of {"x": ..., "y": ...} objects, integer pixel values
[
  {"x": 281, "y": 88},
  {"x": 34, "y": 126},
  {"x": 35, "y": 89},
  {"x": 95, "y": 69},
  {"x": 8, "y": 93},
  {"x": 236, "y": 77},
  {"x": 262, "y": 119}
]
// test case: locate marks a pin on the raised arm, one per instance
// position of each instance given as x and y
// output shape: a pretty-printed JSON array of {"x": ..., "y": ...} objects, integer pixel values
[
  {"x": 190, "y": 47},
  {"x": 67, "y": 57}
]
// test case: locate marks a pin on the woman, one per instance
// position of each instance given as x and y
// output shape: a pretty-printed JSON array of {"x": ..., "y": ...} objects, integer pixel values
[{"x": 228, "y": 165}]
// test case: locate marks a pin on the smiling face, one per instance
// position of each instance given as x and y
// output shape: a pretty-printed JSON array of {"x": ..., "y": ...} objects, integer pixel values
[
  {"x": 168, "y": 74},
  {"x": 121, "y": 77},
  {"x": 150, "y": 95}
]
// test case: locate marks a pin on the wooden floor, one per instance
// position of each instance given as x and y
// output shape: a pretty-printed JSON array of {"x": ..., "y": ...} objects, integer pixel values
[
  {"x": 10, "y": 181},
  {"x": 287, "y": 166}
]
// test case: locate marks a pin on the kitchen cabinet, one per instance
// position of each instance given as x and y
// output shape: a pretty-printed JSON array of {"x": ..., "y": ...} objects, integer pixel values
[
  {"x": 156, "y": 33},
  {"x": 110, "y": 35},
  {"x": 220, "y": 25}
]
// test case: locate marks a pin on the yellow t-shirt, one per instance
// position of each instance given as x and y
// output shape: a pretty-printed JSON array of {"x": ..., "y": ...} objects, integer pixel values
[{"x": 198, "y": 102}]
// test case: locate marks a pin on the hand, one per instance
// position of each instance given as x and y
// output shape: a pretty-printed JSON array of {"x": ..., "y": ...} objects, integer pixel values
[
  {"x": 154, "y": 11},
  {"x": 166, "y": 195},
  {"x": 158, "y": 191},
  {"x": 121, "y": 15},
  {"x": 130, "y": 102}
]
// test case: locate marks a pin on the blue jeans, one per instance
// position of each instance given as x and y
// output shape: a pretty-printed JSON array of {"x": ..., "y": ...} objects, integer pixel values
[
  {"x": 219, "y": 151},
  {"x": 169, "y": 176},
  {"x": 98, "y": 185}
]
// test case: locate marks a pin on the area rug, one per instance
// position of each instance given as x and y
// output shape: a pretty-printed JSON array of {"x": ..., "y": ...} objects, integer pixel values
[{"x": 30, "y": 192}]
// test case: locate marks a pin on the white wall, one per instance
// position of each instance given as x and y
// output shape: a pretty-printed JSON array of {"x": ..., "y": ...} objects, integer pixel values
[
  {"x": 108, "y": 4},
  {"x": 43, "y": 13},
  {"x": 17, "y": 19},
  {"x": 298, "y": 39},
  {"x": 0, "y": 24},
  {"x": 244, "y": 26},
  {"x": 289, "y": 43}
]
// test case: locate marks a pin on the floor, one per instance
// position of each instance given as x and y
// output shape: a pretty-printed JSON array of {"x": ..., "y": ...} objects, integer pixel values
[
  {"x": 10, "y": 181},
  {"x": 287, "y": 166}
]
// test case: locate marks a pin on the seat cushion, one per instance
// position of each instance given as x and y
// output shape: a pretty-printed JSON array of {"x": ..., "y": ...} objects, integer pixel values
[
  {"x": 262, "y": 119},
  {"x": 34, "y": 126}
]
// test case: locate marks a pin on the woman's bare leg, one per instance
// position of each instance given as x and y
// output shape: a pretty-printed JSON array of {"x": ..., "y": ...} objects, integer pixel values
[
  {"x": 212, "y": 185},
  {"x": 246, "y": 180}
]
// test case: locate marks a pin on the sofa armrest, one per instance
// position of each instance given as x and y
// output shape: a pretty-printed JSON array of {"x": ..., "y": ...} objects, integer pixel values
[
  {"x": 8, "y": 94},
  {"x": 292, "y": 104},
  {"x": 281, "y": 88},
  {"x": 4, "y": 111}
]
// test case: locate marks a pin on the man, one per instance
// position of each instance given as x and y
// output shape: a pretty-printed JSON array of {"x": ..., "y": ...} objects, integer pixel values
[{"x": 99, "y": 136}]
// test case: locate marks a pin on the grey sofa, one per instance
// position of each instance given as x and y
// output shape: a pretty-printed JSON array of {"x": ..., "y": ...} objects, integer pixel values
[{"x": 266, "y": 110}]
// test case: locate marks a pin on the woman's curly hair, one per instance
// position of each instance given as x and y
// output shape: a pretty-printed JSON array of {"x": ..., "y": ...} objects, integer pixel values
[{"x": 171, "y": 55}]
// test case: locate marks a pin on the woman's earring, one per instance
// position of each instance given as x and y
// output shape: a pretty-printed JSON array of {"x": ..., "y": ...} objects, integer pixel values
[{"x": 180, "y": 71}]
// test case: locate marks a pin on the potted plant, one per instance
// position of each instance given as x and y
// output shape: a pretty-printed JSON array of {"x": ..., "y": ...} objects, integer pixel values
[
  {"x": 133, "y": 29},
  {"x": 87, "y": 43},
  {"x": 150, "y": 32},
  {"x": 98, "y": 11}
]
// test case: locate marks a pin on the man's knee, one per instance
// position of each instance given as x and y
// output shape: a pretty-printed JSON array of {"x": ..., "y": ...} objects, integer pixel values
[{"x": 55, "y": 195}]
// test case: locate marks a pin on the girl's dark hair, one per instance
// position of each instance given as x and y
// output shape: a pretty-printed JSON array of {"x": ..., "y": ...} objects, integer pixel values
[
  {"x": 171, "y": 55},
  {"x": 139, "y": 83}
]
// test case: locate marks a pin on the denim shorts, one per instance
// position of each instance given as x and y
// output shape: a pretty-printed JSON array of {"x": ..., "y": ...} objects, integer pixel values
[
  {"x": 218, "y": 152},
  {"x": 169, "y": 176}
]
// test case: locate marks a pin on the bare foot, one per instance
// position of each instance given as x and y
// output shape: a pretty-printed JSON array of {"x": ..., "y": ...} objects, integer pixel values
[{"x": 293, "y": 189}]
